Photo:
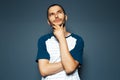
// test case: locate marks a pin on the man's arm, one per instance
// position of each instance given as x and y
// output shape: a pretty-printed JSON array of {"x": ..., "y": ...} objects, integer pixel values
[
  {"x": 68, "y": 62},
  {"x": 47, "y": 68}
]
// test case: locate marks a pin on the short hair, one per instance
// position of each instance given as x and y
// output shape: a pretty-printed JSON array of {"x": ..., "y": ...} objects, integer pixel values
[{"x": 55, "y": 5}]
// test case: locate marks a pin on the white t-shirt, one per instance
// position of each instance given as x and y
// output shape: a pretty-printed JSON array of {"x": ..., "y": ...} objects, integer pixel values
[{"x": 48, "y": 48}]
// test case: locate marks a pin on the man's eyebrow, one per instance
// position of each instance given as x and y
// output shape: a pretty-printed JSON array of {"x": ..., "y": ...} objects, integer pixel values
[
  {"x": 57, "y": 11},
  {"x": 60, "y": 10}
]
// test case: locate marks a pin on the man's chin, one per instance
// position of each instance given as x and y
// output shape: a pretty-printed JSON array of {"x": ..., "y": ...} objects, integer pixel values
[
  {"x": 60, "y": 24},
  {"x": 56, "y": 24}
]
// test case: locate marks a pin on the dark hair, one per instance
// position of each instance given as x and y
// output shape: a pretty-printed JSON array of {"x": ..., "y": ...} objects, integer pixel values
[{"x": 55, "y": 5}]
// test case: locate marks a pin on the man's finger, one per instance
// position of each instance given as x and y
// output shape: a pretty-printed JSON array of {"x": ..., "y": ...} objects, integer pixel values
[
  {"x": 61, "y": 26},
  {"x": 56, "y": 26}
]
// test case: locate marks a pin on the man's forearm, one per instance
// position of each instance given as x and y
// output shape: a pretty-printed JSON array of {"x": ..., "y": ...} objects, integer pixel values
[
  {"x": 68, "y": 62},
  {"x": 50, "y": 68}
]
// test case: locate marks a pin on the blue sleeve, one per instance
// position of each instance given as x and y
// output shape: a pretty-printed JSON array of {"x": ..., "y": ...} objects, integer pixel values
[
  {"x": 77, "y": 52},
  {"x": 42, "y": 51}
]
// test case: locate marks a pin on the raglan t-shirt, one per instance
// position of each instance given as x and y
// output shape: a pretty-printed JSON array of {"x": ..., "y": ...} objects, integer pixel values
[{"x": 48, "y": 48}]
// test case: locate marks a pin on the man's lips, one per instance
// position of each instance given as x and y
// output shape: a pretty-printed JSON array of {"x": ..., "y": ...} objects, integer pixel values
[{"x": 57, "y": 20}]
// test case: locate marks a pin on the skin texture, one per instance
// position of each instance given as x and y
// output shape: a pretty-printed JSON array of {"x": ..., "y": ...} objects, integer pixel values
[{"x": 57, "y": 19}]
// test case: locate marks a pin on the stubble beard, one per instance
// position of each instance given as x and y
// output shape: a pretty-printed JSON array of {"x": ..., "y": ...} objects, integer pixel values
[{"x": 62, "y": 24}]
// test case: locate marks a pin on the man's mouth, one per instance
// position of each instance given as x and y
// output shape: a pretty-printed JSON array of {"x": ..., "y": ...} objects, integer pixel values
[{"x": 57, "y": 20}]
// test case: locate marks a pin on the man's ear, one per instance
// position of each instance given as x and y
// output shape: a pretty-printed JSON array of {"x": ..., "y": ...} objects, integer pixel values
[
  {"x": 66, "y": 17},
  {"x": 48, "y": 22}
]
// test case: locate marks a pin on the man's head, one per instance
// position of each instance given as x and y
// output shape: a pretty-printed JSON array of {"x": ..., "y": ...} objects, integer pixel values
[{"x": 56, "y": 15}]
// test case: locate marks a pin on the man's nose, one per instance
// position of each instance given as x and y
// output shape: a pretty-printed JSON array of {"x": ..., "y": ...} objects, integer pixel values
[{"x": 56, "y": 15}]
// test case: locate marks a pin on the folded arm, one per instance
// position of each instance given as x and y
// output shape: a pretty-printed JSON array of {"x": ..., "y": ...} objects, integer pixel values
[
  {"x": 68, "y": 62},
  {"x": 47, "y": 68}
]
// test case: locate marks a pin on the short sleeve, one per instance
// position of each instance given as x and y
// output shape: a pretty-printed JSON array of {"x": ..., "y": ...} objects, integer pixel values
[
  {"x": 77, "y": 51},
  {"x": 42, "y": 51}
]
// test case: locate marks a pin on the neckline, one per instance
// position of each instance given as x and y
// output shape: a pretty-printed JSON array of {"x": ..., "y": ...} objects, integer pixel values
[{"x": 68, "y": 35}]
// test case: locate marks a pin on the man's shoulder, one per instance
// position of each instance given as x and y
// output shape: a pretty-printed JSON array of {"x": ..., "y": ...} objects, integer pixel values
[
  {"x": 46, "y": 36},
  {"x": 76, "y": 36}
]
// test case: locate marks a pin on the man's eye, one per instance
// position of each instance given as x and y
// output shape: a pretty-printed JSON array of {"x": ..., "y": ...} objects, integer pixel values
[
  {"x": 51, "y": 14},
  {"x": 59, "y": 11}
]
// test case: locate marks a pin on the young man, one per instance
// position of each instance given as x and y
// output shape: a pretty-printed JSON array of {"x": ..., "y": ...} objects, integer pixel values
[{"x": 60, "y": 52}]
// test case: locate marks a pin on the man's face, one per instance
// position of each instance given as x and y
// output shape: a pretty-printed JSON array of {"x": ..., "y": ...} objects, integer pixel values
[{"x": 56, "y": 16}]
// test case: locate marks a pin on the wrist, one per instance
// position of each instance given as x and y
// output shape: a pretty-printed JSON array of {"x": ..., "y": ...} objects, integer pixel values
[{"x": 62, "y": 40}]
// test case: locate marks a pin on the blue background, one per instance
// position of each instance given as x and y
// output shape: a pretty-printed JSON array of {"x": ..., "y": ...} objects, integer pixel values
[{"x": 22, "y": 22}]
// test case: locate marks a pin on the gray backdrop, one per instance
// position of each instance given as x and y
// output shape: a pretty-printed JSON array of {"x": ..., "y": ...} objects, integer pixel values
[{"x": 22, "y": 22}]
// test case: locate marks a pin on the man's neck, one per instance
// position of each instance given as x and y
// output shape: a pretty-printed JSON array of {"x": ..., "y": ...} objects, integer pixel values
[{"x": 66, "y": 32}]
